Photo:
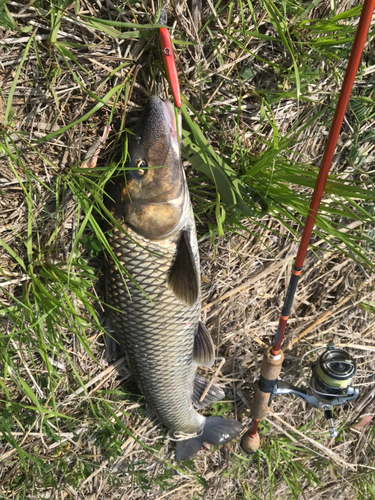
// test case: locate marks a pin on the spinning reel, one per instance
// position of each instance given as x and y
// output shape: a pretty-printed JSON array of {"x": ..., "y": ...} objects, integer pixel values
[{"x": 329, "y": 385}]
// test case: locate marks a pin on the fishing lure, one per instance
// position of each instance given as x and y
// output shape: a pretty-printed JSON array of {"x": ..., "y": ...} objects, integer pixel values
[{"x": 169, "y": 61}]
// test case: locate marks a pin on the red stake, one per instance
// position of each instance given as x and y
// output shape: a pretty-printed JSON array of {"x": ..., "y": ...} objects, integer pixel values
[{"x": 169, "y": 62}]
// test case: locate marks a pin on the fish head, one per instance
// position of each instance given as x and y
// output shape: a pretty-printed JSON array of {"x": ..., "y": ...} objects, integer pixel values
[
  {"x": 152, "y": 197},
  {"x": 154, "y": 149}
]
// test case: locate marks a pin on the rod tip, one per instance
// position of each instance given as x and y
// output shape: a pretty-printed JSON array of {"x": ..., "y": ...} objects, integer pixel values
[{"x": 250, "y": 444}]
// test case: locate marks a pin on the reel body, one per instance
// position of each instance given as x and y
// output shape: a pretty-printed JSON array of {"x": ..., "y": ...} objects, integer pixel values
[{"x": 330, "y": 383}]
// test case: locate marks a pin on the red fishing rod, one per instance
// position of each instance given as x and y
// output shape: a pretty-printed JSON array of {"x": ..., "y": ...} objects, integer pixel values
[{"x": 335, "y": 368}]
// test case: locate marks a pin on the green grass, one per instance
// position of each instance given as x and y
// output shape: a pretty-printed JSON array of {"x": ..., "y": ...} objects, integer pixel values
[{"x": 52, "y": 318}]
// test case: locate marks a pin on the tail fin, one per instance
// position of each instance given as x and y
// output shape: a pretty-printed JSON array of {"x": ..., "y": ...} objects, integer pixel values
[{"x": 216, "y": 430}]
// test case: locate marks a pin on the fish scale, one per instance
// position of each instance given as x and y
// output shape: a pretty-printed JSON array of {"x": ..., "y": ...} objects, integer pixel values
[{"x": 157, "y": 332}]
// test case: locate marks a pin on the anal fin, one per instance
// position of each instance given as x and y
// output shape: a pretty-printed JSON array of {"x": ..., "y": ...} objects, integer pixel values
[
  {"x": 183, "y": 278},
  {"x": 215, "y": 393},
  {"x": 204, "y": 351}
]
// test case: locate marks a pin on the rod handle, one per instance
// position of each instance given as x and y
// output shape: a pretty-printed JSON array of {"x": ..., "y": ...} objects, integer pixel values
[
  {"x": 260, "y": 404},
  {"x": 269, "y": 371},
  {"x": 271, "y": 365}
]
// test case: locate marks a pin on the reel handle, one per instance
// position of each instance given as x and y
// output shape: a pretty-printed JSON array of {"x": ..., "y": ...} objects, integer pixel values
[{"x": 332, "y": 429}]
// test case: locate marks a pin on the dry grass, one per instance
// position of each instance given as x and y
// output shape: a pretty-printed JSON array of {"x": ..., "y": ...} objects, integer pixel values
[{"x": 89, "y": 439}]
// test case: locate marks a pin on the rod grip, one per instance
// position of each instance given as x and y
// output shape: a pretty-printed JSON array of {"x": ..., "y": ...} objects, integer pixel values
[
  {"x": 271, "y": 365},
  {"x": 259, "y": 408},
  {"x": 269, "y": 371}
]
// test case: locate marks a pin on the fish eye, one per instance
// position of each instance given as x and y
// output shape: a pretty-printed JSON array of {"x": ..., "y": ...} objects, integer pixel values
[{"x": 140, "y": 165}]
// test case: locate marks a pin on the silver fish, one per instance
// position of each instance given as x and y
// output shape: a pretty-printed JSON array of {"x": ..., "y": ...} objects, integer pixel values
[{"x": 159, "y": 326}]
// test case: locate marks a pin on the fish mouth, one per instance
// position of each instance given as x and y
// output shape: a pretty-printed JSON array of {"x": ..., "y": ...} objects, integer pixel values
[{"x": 175, "y": 128}]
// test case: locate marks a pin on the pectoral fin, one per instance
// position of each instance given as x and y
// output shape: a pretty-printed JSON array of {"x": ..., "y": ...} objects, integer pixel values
[
  {"x": 215, "y": 393},
  {"x": 183, "y": 278},
  {"x": 204, "y": 351}
]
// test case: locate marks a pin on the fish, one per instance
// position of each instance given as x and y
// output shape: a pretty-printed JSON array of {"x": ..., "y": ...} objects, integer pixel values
[{"x": 156, "y": 307}]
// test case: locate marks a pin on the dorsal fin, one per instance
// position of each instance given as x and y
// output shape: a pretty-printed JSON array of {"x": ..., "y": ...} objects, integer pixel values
[{"x": 183, "y": 278}]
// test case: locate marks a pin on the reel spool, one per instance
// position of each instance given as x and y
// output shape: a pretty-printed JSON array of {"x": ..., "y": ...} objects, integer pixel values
[
  {"x": 329, "y": 385},
  {"x": 332, "y": 373}
]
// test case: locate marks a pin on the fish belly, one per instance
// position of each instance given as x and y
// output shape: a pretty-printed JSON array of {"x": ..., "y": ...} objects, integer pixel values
[{"x": 156, "y": 331}]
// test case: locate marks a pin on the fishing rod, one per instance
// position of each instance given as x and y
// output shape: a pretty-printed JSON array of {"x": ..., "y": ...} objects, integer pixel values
[{"x": 334, "y": 370}]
